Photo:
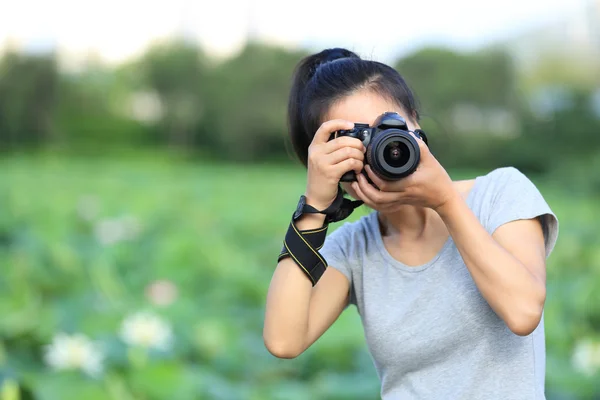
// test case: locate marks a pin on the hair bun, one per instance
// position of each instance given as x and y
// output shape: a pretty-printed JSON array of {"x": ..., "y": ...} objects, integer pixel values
[
  {"x": 337, "y": 53},
  {"x": 329, "y": 55}
]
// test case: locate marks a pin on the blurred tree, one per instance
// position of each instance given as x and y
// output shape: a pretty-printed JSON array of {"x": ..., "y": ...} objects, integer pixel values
[
  {"x": 92, "y": 111},
  {"x": 478, "y": 112},
  {"x": 176, "y": 72},
  {"x": 443, "y": 78},
  {"x": 562, "y": 135},
  {"x": 248, "y": 103},
  {"x": 28, "y": 86},
  {"x": 556, "y": 69},
  {"x": 471, "y": 102}
]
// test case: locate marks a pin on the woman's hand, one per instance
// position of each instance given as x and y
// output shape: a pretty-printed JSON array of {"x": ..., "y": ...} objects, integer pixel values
[
  {"x": 429, "y": 186},
  {"x": 329, "y": 160}
]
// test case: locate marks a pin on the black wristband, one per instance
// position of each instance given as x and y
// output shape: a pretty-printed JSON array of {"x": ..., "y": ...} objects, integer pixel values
[{"x": 303, "y": 247}]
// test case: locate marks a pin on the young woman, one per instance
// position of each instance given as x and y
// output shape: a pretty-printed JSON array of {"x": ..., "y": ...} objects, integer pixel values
[{"x": 448, "y": 276}]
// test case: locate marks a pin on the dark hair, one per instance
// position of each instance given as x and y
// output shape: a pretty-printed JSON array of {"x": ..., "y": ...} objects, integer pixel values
[{"x": 323, "y": 78}]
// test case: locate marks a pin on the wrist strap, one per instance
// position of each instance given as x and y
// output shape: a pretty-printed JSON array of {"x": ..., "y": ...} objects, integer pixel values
[
  {"x": 345, "y": 209},
  {"x": 303, "y": 247},
  {"x": 341, "y": 208}
]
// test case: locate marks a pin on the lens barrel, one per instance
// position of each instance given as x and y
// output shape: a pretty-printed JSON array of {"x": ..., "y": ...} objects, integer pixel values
[{"x": 393, "y": 154}]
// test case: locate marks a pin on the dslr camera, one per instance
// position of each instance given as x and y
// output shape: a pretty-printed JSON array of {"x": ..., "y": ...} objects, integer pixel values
[{"x": 392, "y": 151}]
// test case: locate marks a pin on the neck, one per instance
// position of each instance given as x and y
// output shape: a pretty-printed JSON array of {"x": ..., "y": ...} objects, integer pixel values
[
  {"x": 411, "y": 221},
  {"x": 414, "y": 222}
]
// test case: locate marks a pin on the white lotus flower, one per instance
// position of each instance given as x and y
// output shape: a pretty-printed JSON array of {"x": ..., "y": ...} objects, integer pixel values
[
  {"x": 161, "y": 292},
  {"x": 71, "y": 352},
  {"x": 147, "y": 330},
  {"x": 586, "y": 356},
  {"x": 109, "y": 231},
  {"x": 114, "y": 230},
  {"x": 131, "y": 226},
  {"x": 88, "y": 207}
]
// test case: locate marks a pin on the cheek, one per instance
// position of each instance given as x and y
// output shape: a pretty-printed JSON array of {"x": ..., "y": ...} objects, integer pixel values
[{"x": 346, "y": 186}]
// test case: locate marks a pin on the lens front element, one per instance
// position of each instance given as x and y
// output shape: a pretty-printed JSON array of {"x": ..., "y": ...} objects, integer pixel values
[
  {"x": 396, "y": 154},
  {"x": 393, "y": 154}
]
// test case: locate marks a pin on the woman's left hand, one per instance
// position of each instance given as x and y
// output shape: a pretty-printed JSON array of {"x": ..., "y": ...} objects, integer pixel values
[{"x": 429, "y": 186}]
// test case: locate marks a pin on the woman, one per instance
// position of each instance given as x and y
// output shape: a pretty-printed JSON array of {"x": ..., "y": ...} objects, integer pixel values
[{"x": 448, "y": 277}]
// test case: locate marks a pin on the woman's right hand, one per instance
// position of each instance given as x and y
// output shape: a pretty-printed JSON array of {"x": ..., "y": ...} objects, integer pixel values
[{"x": 329, "y": 160}]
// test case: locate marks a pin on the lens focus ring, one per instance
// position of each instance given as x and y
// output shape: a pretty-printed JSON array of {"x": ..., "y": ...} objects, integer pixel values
[{"x": 393, "y": 154}]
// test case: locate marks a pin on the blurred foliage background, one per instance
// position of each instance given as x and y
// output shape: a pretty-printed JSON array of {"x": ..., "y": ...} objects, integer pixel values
[{"x": 142, "y": 207}]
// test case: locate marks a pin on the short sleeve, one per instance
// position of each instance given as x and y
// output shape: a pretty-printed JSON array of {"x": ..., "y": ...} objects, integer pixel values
[
  {"x": 515, "y": 198},
  {"x": 334, "y": 252}
]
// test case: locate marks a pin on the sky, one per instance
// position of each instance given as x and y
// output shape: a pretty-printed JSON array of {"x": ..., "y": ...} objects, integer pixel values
[{"x": 380, "y": 29}]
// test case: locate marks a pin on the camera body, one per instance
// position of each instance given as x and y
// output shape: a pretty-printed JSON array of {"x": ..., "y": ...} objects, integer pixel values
[{"x": 392, "y": 150}]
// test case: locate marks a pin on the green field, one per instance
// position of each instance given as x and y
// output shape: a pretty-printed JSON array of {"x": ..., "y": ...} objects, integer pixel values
[{"x": 81, "y": 241}]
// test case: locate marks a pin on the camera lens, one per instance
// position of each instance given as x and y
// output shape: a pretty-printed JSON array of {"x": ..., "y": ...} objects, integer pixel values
[
  {"x": 393, "y": 154},
  {"x": 396, "y": 154}
]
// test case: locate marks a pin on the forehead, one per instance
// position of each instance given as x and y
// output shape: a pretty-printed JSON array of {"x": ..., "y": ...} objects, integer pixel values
[{"x": 363, "y": 107}]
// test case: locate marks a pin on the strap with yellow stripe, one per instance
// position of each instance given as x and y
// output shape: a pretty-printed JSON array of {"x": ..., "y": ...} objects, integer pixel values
[{"x": 303, "y": 247}]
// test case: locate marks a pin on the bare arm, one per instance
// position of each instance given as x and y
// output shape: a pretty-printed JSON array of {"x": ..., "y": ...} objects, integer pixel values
[
  {"x": 296, "y": 313},
  {"x": 508, "y": 267}
]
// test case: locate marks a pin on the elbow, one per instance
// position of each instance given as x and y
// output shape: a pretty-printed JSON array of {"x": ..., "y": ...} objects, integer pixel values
[
  {"x": 282, "y": 348},
  {"x": 524, "y": 321},
  {"x": 523, "y": 327}
]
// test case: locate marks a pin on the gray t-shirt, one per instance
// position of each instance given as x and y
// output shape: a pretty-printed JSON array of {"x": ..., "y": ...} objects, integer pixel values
[{"x": 430, "y": 333}]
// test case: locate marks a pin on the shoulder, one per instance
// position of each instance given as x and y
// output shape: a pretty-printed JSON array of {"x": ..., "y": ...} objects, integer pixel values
[
  {"x": 491, "y": 181},
  {"x": 505, "y": 174},
  {"x": 508, "y": 182},
  {"x": 507, "y": 192},
  {"x": 510, "y": 196}
]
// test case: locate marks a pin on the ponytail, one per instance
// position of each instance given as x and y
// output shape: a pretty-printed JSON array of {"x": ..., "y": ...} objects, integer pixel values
[{"x": 304, "y": 72}]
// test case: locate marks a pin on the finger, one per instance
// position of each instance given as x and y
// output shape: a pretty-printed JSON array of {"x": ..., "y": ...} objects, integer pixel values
[
  {"x": 387, "y": 186},
  {"x": 375, "y": 196},
  {"x": 327, "y": 128},
  {"x": 344, "y": 141},
  {"x": 361, "y": 195},
  {"x": 349, "y": 164},
  {"x": 344, "y": 153},
  {"x": 380, "y": 183},
  {"x": 386, "y": 208},
  {"x": 420, "y": 142}
]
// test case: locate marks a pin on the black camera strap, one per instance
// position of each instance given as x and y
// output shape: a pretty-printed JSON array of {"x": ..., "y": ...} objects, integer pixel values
[
  {"x": 303, "y": 245},
  {"x": 346, "y": 208}
]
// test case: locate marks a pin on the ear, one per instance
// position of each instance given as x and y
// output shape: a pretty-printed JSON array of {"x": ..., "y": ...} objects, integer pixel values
[{"x": 415, "y": 116}]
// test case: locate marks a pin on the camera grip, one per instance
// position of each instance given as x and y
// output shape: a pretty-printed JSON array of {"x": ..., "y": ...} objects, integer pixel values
[{"x": 349, "y": 176}]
